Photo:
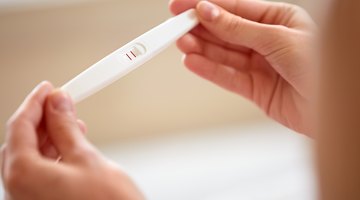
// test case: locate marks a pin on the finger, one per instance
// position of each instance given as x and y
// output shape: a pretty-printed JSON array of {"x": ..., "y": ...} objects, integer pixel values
[
  {"x": 190, "y": 44},
  {"x": 262, "y": 38},
  {"x": 2, "y": 159},
  {"x": 178, "y": 7},
  {"x": 48, "y": 149},
  {"x": 226, "y": 77},
  {"x": 82, "y": 126},
  {"x": 22, "y": 127},
  {"x": 251, "y": 9},
  {"x": 204, "y": 34},
  {"x": 254, "y": 10},
  {"x": 62, "y": 125}
]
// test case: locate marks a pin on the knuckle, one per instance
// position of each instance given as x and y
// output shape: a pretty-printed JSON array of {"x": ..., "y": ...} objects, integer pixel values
[
  {"x": 234, "y": 24},
  {"x": 279, "y": 38},
  {"x": 279, "y": 33},
  {"x": 286, "y": 6},
  {"x": 291, "y": 9},
  {"x": 285, "y": 35},
  {"x": 83, "y": 153},
  {"x": 296, "y": 8},
  {"x": 274, "y": 34}
]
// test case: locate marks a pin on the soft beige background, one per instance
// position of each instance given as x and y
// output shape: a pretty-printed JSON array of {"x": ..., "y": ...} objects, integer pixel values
[{"x": 55, "y": 43}]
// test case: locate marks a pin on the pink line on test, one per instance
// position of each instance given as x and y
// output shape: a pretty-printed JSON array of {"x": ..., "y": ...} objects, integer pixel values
[{"x": 128, "y": 56}]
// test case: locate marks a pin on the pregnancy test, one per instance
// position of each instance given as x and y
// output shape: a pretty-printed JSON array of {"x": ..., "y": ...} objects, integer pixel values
[{"x": 129, "y": 57}]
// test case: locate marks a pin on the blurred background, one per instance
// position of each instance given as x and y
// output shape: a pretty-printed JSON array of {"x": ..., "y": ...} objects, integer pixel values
[{"x": 178, "y": 136}]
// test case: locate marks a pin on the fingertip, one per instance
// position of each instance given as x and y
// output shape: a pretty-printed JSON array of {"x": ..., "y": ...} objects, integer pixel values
[
  {"x": 189, "y": 44},
  {"x": 207, "y": 11},
  {"x": 32, "y": 107},
  {"x": 40, "y": 91},
  {"x": 60, "y": 101},
  {"x": 179, "y": 6},
  {"x": 172, "y": 7},
  {"x": 47, "y": 84},
  {"x": 189, "y": 61},
  {"x": 186, "y": 60},
  {"x": 44, "y": 85}
]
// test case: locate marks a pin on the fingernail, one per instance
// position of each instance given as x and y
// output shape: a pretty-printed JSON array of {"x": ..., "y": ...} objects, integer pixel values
[
  {"x": 41, "y": 85},
  {"x": 183, "y": 57},
  {"x": 208, "y": 11},
  {"x": 60, "y": 101}
]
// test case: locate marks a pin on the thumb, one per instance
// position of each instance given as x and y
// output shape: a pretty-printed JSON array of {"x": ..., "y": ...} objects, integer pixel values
[
  {"x": 62, "y": 125},
  {"x": 239, "y": 31}
]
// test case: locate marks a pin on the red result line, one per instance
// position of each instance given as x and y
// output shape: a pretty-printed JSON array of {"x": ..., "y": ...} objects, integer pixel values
[{"x": 128, "y": 56}]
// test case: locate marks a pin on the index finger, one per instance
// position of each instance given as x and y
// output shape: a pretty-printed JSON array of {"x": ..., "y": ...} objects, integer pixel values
[
  {"x": 254, "y": 10},
  {"x": 21, "y": 134}
]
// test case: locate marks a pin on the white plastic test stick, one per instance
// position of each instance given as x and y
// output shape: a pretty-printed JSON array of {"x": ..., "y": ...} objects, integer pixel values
[{"x": 130, "y": 56}]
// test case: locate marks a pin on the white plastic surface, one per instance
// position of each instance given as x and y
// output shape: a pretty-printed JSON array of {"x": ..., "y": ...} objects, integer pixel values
[{"x": 130, "y": 56}]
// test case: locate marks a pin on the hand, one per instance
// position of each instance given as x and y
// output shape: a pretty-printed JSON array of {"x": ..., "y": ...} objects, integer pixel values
[
  {"x": 260, "y": 50},
  {"x": 28, "y": 168}
]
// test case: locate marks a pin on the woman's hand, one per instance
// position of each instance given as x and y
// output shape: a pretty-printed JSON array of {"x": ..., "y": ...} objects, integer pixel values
[
  {"x": 28, "y": 168},
  {"x": 260, "y": 50}
]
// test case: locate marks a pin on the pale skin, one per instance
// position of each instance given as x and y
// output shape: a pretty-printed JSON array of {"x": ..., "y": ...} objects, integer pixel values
[
  {"x": 29, "y": 170},
  {"x": 253, "y": 48},
  {"x": 257, "y": 49}
]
